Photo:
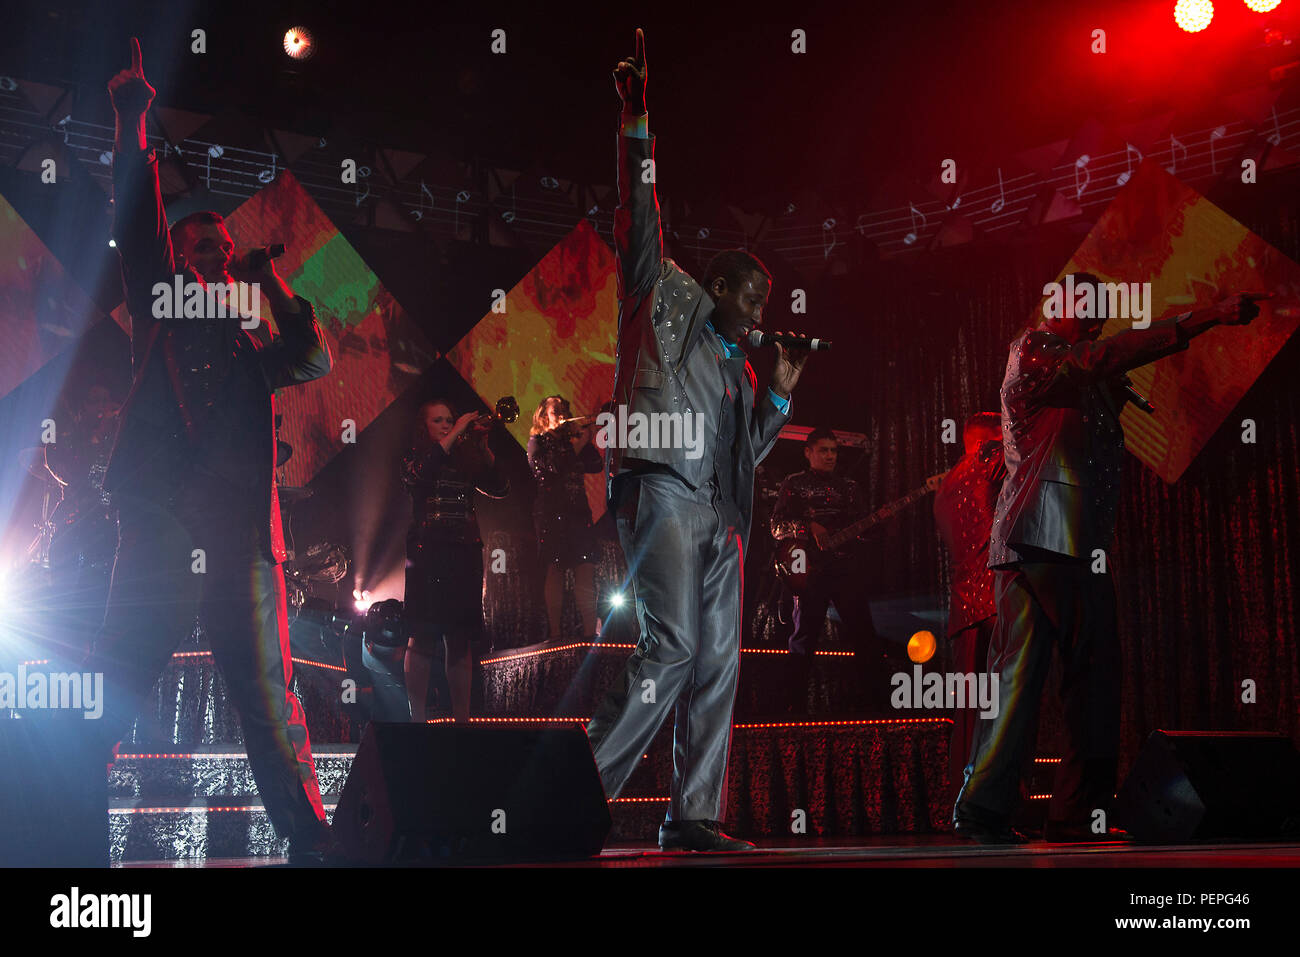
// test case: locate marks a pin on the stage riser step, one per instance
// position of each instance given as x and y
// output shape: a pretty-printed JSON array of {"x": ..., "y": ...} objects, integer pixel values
[
  {"x": 541, "y": 682},
  {"x": 190, "y": 707},
  {"x": 192, "y": 835},
  {"x": 207, "y": 776},
  {"x": 847, "y": 780},
  {"x": 805, "y": 750}
]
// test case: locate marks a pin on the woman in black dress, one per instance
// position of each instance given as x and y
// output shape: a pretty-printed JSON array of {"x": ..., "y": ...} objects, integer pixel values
[
  {"x": 561, "y": 454},
  {"x": 444, "y": 570}
]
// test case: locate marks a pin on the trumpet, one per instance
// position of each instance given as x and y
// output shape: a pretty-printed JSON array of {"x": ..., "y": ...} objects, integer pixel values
[{"x": 506, "y": 411}]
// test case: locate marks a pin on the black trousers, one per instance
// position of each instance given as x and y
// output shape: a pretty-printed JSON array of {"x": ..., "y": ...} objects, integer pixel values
[
  {"x": 1044, "y": 606},
  {"x": 240, "y": 598},
  {"x": 970, "y": 648},
  {"x": 839, "y": 583}
]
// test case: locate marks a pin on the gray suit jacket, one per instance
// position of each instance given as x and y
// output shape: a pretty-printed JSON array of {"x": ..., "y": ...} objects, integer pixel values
[{"x": 668, "y": 363}]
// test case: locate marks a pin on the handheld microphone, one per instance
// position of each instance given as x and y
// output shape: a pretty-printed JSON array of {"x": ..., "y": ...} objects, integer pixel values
[
  {"x": 758, "y": 337},
  {"x": 1136, "y": 397},
  {"x": 259, "y": 257}
]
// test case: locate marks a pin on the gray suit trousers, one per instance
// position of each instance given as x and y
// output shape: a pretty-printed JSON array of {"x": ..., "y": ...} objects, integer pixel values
[{"x": 683, "y": 553}]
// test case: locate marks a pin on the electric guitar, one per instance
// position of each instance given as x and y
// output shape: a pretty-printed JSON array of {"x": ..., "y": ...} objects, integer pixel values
[{"x": 797, "y": 559}]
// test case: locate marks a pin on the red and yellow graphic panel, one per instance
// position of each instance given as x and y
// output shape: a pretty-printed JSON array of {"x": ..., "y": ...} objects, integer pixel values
[
  {"x": 555, "y": 337},
  {"x": 1159, "y": 231}
]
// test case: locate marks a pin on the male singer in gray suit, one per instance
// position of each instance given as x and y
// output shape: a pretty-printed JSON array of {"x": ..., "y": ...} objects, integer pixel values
[{"x": 688, "y": 431}]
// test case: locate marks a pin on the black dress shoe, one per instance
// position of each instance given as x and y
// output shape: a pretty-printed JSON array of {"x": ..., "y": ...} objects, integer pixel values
[
  {"x": 698, "y": 836},
  {"x": 988, "y": 833},
  {"x": 315, "y": 850}
]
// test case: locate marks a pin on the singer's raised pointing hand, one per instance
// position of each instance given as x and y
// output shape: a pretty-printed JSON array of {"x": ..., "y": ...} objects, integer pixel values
[{"x": 129, "y": 90}]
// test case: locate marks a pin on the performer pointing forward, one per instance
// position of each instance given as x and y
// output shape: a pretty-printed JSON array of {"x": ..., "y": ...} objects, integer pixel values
[
  {"x": 683, "y": 513},
  {"x": 1064, "y": 452}
]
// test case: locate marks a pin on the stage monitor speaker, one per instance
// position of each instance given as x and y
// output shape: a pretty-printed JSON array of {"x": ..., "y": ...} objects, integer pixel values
[
  {"x": 443, "y": 793},
  {"x": 1190, "y": 786},
  {"x": 53, "y": 792}
]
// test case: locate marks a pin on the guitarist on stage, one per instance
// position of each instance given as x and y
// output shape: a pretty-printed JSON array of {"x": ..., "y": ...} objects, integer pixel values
[{"x": 811, "y": 506}]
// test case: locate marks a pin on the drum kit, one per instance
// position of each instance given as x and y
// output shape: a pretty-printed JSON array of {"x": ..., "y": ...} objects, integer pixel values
[
  {"x": 77, "y": 529},
  {"x": 76, "y": 538},
  {"x": 320, "y": 564}
]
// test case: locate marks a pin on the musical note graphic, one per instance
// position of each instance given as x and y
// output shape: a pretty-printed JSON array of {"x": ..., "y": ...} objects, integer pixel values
[
  {"x": 267, "y": 175},
  {"x": 215, "y": 151},
  {"x": 1001, "y": 201},
  {"x": 1175, "y": 145},
  {"x": 1125, "y": 176},
  {"x": 1276, "y": 136},
  {"x": 956, "y": 203},
  {"x": 910, "y": 238},
  {"x": 62, "y": 127},
  {"x": 418, "y": 212},
  {"x": 363, "y": 172},
  {"x": 828, "y": 226},
  {"x": 701, "y": 234},
  {"x": 322, "y": 144},
  {"x": 550, "y": 182},
  {"x": 8, "y": 84},
  {"x": 1216, "y": 134},
  {"x": 1081, "y": 164},
  {"x": 509, "y": 214},
  {"x": 859, "y": 225},
  {"x": 461, "y": 197}
]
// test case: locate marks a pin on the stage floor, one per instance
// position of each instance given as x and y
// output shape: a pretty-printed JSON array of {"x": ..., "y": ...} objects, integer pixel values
[{"x": 911, "y": 851}]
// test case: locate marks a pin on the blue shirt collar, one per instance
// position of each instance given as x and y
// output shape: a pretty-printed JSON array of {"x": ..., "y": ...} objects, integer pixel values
[{"x": 733, "y": 350}]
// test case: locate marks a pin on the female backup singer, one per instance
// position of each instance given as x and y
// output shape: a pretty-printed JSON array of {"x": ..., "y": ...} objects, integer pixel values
[
  {"x": 444, "y": 570},
  {"x": 560, "y": 453}
]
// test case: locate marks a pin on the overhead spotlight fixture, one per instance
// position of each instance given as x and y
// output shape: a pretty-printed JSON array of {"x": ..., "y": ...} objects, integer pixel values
[
  {"x": 1193, "y": 15},
  {"x": 299, "y": 43},
  {"x": 1262, "y": 6}
]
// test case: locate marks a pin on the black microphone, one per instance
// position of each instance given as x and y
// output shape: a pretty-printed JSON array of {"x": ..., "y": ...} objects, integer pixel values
[
  {"x": 259, "y": 257},
  {"x": 757, "y": 337},
  {"x": 1137, "y": 398}
]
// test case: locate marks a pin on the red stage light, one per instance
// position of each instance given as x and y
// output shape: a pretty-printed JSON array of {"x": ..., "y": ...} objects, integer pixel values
[
  {"x": 298, "y": 43},
  {"x": 1193, "y": 15},
  {"x": 1262, "y": 6}
]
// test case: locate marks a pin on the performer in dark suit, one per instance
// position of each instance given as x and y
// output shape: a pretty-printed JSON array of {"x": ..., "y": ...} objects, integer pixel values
[
  {"x": 963, "y": 512},
  {"x": 192, "y": 476},
  {"x": 683, "y": 505},
  {"x": 1055, "y": 518}
]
